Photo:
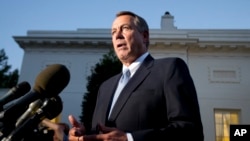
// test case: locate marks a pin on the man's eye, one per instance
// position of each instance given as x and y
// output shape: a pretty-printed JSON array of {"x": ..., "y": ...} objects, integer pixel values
[
  {"x": 125, "y": 28},
  {"x": 113, "y": 32}
]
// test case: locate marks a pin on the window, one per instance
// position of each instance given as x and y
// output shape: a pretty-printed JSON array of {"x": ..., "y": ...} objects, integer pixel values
[
  {"x": 223, "y": 119},
  {"x": 224, "y": 74}
]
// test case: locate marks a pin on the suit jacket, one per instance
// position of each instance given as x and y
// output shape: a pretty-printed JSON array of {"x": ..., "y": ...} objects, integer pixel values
[{"x": 158, "y": 103}]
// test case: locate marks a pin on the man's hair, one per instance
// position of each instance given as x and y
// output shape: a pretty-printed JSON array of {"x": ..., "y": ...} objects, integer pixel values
[{"x": 139, "y": 22}]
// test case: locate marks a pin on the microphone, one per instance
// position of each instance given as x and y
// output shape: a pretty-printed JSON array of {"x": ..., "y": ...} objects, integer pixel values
[
  {"x": 29, "y": 112},
  {"x": 14, "y": 93},
  {"x": 51, "y": 108},
  {"x": 49, "y": 83}
]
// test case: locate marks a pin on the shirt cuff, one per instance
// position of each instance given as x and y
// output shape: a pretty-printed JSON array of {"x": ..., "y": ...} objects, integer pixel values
[{"x": 129, "y": 137}]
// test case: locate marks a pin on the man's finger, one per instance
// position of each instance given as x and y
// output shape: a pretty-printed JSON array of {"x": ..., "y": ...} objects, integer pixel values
[
  {"x": 105, "y": 129},
  {"x": 73, "y": 121},
  {"x": 78, "y": 128},
  {"x": 94, "y": 137}
]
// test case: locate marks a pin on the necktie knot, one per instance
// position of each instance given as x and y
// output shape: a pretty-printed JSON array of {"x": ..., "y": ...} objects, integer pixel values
[
  {"x": 125, "y": 76},
  {"x": 127, "y": 73}
]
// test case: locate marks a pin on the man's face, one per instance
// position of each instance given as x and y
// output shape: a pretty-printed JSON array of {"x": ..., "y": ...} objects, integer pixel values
[{"x": 128, "y": 42}]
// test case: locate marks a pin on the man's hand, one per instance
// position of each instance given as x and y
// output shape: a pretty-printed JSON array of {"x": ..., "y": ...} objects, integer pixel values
[
  {"x": 77, "y": 133},
  {"x": 107, "y": 134},
  {"x": 77, "y": 130}
]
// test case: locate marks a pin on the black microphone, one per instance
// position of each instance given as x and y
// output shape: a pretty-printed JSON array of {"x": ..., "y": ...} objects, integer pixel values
[
  {"x": 49, "y": 83},
  {"x": 51, "y": 108},
  {"x": 14, "y": 93}
]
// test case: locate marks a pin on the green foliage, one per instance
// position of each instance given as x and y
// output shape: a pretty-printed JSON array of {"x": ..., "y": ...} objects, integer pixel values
[
  {"x": 7, "y": 79},
  {"x": 108, "y": 66}
]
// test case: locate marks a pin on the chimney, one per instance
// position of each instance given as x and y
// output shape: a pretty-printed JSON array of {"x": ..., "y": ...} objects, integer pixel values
[{"x": 167, "y": 22}]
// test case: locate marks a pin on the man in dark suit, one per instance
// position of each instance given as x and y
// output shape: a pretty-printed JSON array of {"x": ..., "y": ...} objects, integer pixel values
[{"x": 159, "y": 101}]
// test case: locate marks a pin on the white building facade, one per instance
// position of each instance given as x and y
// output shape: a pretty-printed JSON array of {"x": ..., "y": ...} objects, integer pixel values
[{"x": 219, "y": 62}]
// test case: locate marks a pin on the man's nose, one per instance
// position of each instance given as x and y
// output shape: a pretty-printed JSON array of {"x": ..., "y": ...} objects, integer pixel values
[{"x": 119, "y": 35}]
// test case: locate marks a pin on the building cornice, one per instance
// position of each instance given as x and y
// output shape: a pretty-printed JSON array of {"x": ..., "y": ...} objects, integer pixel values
[{"x": 101, "y": 37}]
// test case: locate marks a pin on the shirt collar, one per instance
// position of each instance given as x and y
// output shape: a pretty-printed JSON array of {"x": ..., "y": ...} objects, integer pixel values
[{"x": 136, "y": 64}]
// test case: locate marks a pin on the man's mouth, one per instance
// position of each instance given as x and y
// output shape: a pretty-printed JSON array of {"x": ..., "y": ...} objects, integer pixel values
[{"x": 120, "y": 45}]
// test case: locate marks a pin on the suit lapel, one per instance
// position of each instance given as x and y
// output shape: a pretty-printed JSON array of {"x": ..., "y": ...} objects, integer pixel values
[
  {"x": 142, "y": 72},
  {"x": 108, "y": 97}
]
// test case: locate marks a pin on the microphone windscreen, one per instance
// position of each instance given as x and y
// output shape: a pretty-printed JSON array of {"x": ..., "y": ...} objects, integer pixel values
[{"x": 52, "y": 80}]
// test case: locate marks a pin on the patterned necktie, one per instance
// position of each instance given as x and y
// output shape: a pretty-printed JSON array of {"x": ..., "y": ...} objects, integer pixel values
[{"x": 123, "y": 81}]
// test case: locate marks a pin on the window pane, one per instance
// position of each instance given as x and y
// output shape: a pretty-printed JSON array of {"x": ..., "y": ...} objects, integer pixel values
[{"x": 234, "y": 118}]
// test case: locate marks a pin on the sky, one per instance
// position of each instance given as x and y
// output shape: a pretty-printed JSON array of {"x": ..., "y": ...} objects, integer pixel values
[{"x": 19, "y": 16}]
